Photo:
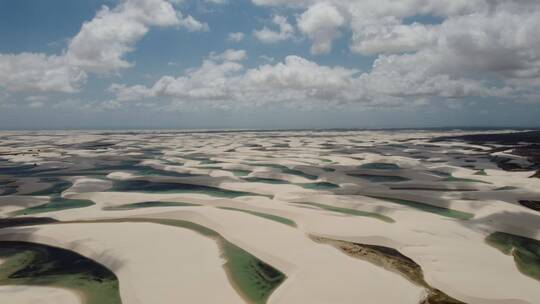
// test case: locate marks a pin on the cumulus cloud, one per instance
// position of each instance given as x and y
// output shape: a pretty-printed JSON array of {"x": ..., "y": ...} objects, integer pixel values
[
  {"x": 39, "y": 72},
  {"x": 321, "y": 23},
  {"x": 217, "y": 1},
  {"x": 222, "y": 79},
  {"x": 388, "y": 35},
  {"x": 473, "y": 48},
  {"x": 285, "y": 31},
  {"x": 229, "y": 55},
  {"x": 421, "y": 50},
  {"x": 236, "y": 37},
  {"x": 194, "y": 25},
  {"x": 102, "y": 42},
  {"x": 99, "y": 47},
  {"x": 449, "y": 48}
]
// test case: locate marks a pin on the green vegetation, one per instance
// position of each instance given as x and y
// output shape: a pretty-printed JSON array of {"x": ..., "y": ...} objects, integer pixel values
[
  {"x": 392, "y": 260},
  {"x": 429, "y": 208},
  {"x": 271, "y": 217},
  {"x": 481, "y": 172},
  {"x": 526, "y": 251},
  {"x": 349, "y": 211},
  {"x": 40, "y": 265}
]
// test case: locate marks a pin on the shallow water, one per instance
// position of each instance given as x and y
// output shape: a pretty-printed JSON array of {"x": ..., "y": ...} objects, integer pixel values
[
  {"x": 34, "y": 264},
  {"x": 56, "y": 204},
  {"x": 379, "y": 178},
  {"x": 327, "y": 162},
  {"x": 380, "y": 166},
  {"x": 271, "y": 217},
  {"x": 253, "y": 278},
  {"x": 429, "y": 208},
  {"x": 526, "y": 251},
  {"x": 165, "y": 187},
  {"x": 150, "y": 205},
  {"x": 320, "y": 186},
  {"x": 349, "y": 211}
]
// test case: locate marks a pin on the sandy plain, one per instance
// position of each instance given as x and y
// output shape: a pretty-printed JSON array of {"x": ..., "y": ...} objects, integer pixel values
[{"x": 269, "y": 194}]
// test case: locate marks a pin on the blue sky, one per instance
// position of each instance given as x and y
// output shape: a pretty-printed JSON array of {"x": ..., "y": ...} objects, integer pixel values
[{"x": 299, "y": 64}]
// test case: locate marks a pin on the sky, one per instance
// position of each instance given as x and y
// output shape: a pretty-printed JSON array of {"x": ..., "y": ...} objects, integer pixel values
[{"x": 269, "y": 64}]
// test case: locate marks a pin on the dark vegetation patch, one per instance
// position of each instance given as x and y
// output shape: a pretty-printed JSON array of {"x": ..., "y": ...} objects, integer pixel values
[
  {"x": 25, "y": 221},
  {"x": 534, "y": 205},
  {"x": 392, "y": 260}
]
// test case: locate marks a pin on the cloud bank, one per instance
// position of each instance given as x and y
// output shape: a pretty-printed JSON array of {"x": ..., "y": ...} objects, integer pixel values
[
  {"x": 99, "y": 47},
  {"x": 420, "y": 50}
]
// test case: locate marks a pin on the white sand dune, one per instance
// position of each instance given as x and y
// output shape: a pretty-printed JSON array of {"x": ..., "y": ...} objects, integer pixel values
[
  {"x": 37, "y": 294},
  {"x": 156, "y": 263}
]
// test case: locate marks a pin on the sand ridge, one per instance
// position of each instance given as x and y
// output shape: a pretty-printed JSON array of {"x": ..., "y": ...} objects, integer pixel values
[{"x": 435, "y": 202}]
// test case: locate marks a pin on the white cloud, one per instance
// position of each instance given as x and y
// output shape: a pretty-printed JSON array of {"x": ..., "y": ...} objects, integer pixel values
[
  {"x": 102, "y": 42},
  {"x": 229, "y": 55},
  {"x": 286, "y": 31},
  {"x": 36, "y": 104},
  {"x": 455, "y": 49},
  {"x": 39, "y": 72},
  {"x": 236, "y": 37},
  {"x": 217, "y": 1},
  {"x": 267, "y": 58},
  {"x": 193, "y": 25},
  {"x": 389, "y": 35},
  {"x": 227, "y": 80},
  {"x": 99, "y": 47},
  {"x": 321, "y": 23},
  {"x": 296, "y": 81},
  {"x": 37, "y": 98},
  {"x": 466, "y": 45}
]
